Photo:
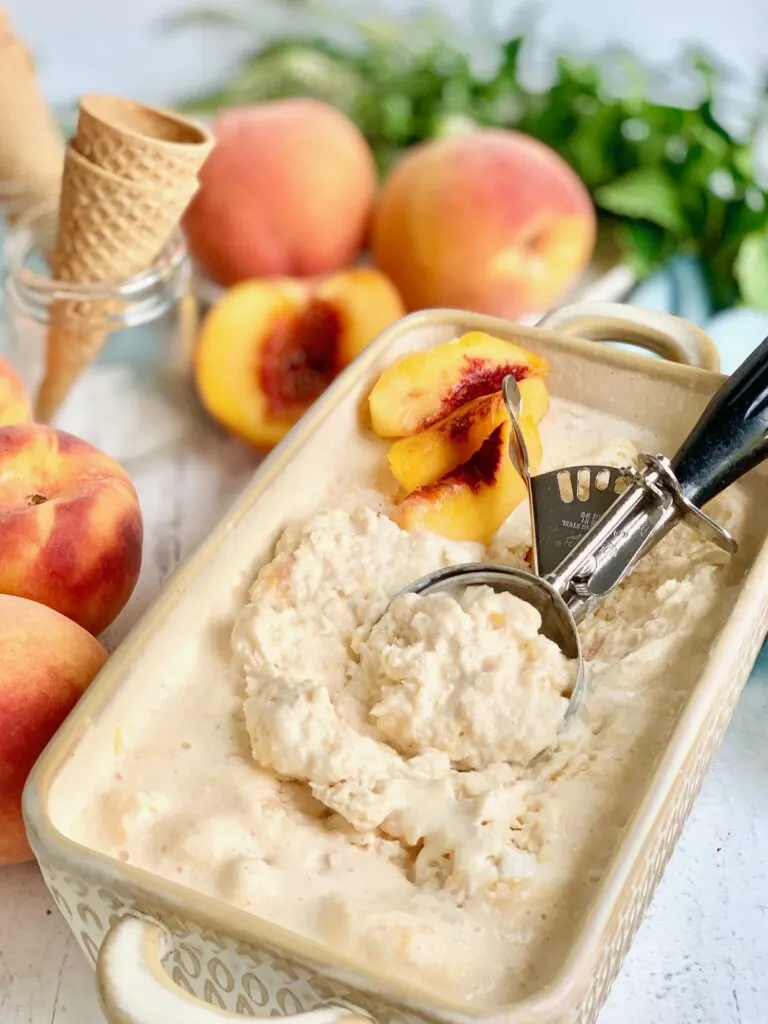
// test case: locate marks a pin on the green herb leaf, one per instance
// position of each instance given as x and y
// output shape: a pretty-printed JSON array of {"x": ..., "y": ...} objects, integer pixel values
[
  {"x": 751, "y": 270},
  {"x": 644, "y": 247},
  {"x": 646, "y": 194},
  {"x": 674, "y": 179}
]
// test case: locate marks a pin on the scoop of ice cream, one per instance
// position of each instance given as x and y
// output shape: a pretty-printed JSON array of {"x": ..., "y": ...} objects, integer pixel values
[
  {"x": 470, "y": 676},
  {"x": 377, "y": 720}
]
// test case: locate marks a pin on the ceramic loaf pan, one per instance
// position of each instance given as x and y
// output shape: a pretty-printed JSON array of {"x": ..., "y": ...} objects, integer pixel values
[{"x": 220, "y": 961}]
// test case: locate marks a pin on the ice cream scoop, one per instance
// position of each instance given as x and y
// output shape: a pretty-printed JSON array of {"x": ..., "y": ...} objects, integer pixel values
[{"x": 605, "y": 530}]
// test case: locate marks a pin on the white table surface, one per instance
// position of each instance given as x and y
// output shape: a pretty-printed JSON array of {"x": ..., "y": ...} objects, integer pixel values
[{"x": 701, "y": 956}]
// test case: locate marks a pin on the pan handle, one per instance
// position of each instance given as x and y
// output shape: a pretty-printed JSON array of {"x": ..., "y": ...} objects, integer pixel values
[
  {"x": 134, "y": 988},
  {"x": 731, "y": 436},
  {"x": 666, "y": 335}
]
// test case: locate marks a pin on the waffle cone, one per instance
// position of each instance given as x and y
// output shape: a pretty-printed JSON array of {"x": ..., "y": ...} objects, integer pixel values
[
  {"x": 31, "y": 147},
  {"x": 69, "y": 350},
  {"x": 110, "y": 229},
  {"x": 6, "y": 32},
  {"x": 140, "y": 143}
]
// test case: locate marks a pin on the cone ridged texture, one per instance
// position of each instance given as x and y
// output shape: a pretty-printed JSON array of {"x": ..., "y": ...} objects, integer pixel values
[
  {"x": 112, "y": 225},
  {"x": 139, "y": 143}
]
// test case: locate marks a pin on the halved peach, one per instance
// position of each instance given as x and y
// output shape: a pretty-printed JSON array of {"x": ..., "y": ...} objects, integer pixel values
[
  {"x": 425, "y": 457},
  {"x": 420, "y": 389},
  {"x": 472, "y": 501},
  {"x": 269, "y": 348}
]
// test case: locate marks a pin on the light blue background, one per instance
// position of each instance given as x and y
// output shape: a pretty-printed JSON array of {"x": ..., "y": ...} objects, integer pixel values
[{"x": 115, "y": 45}]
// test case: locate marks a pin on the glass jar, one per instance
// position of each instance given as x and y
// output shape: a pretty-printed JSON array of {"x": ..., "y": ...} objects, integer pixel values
[
  {"x": 136, "y": 398},
  {"x": 16, "y": 197}
]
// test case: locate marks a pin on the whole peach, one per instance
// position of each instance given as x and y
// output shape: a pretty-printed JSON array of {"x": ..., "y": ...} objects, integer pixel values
[
  {"x": 287, "y": 191},
  {"x": 70, "y": 525},
  {"x": 48, "y": 661},
  {"x": 489, "y": 220},
  {"x": 15, "y": 404}
]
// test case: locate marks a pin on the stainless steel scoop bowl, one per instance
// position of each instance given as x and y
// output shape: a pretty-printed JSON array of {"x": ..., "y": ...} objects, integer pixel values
[
  {"x": 619, "y": 527},
  {"x": 557, "y": 623}
]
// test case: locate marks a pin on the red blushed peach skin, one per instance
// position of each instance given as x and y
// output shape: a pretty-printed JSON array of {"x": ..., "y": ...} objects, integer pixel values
[
  {"x": 47, "y": 663},
  {"x": 472, "y": 501},
  {"x": 268, "y": 349},
  {"x": 70, "y": 525},
  {"x": 490, "y": 220},
  {"x": 421, "y": 389},
  {"x": 286, "y": 192},
  {"x": 15, "y": 404},
  {"x": 423, "y": 458}
]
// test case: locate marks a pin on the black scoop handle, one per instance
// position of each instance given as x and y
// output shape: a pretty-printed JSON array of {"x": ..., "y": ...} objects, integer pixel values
[{"x": 731, "y": 436}]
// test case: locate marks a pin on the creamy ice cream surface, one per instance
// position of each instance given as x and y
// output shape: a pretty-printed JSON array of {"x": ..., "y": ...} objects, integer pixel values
[
  {"x": 378, "y": 722},
  {"x": 362, "y": 774},
  {"x": 469, "y": 675}
]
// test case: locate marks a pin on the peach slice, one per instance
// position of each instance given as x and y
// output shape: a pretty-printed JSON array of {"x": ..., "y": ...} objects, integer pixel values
[
  {"x": 472, "y": 501},
  {"x": 269, "y": 348},
  {"x": 420, "y": 389},
  {"x": 423, "y": 458}
]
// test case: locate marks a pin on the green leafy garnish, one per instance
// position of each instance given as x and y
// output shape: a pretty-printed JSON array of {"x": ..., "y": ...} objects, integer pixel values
[
  {"x": 671, "y": 178},
  {"x": 751, "y": 269},
  {"x": 648, "y": 193}
]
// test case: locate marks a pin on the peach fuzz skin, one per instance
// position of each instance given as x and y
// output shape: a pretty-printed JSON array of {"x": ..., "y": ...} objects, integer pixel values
[
  {"x": 48, "y": 662},
  {"x": 70, "y": 525},
  {"x": 490, "y": 220},
  {"x": 15, "y": 405},
  {"x": 286, "y": 192}
]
